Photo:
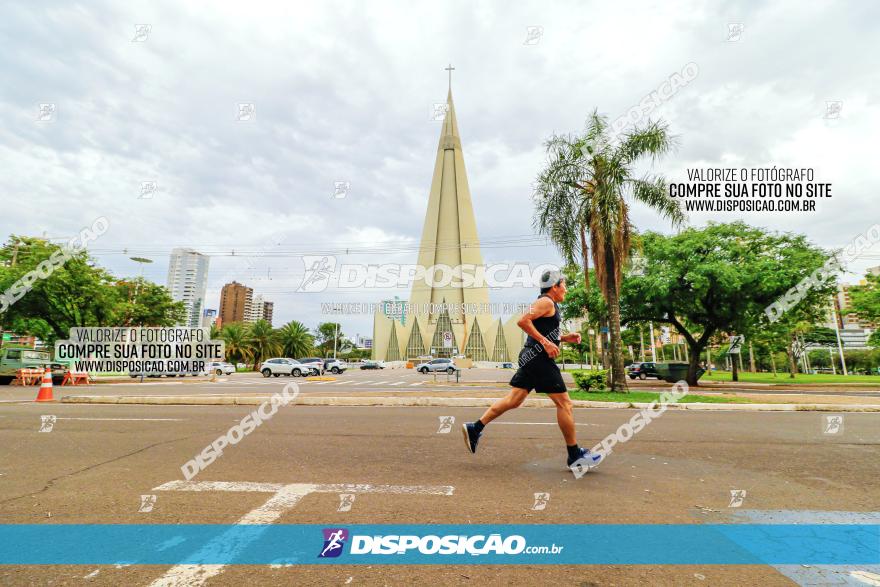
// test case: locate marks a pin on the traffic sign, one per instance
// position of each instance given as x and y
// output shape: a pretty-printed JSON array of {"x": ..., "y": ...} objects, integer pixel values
[{"x": 736, "y": 343}]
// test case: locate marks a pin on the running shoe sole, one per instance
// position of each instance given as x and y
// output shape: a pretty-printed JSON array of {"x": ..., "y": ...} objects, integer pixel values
[{"x": 467, "y": 438}]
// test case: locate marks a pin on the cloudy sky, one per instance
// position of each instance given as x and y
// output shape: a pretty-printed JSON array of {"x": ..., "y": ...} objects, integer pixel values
[{"x": 344, "y": 91}]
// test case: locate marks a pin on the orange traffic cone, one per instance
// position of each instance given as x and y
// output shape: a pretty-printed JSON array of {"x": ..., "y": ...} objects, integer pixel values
[{"x": 45, "y": 394}]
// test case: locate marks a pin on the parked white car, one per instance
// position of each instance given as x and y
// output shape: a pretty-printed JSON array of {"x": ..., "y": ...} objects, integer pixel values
[
  {"x": 437, "y": 365},
  {"x": 284, "y": 366},
  {"x": 220, "y": 368},
  {"x": 334, "y": 366}
]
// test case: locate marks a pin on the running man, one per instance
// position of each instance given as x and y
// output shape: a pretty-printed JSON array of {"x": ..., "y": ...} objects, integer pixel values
[{"x": 538, "y": 370}]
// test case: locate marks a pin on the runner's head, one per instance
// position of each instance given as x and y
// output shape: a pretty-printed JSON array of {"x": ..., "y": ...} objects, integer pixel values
[{"x": 553, "y": 284}]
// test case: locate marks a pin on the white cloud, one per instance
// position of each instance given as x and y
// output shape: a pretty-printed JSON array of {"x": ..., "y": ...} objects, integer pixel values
[{"x": 343, "y": 92}]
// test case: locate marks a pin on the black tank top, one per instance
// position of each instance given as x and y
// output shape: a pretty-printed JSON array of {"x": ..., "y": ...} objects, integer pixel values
[{"x": 548, "y": 326}]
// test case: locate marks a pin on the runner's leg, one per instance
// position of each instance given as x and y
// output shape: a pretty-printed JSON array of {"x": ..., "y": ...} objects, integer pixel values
[
  {"x": 512, "y": 400},
  {"x": 565, "y": 416}
]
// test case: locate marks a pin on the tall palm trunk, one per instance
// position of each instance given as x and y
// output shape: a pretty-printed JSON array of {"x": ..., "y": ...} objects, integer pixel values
[
  {"x": 585, "y": 255},
  {"x": 618, "y": 376}
]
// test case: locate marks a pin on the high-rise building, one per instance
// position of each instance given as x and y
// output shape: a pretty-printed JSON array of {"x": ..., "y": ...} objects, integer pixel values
[
  {"x": 254, "y": 309},
  {"x": 268, "y": 310},
  {"x": 238, "y": 303},
  {"x": 235, "y": 301},
  {"x": 187, "y": 282}
]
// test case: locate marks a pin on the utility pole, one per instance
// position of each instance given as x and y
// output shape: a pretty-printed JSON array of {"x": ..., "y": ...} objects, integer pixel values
[
  {"x": 335, "y": 338},
  {"x": 653, "y": 342}
]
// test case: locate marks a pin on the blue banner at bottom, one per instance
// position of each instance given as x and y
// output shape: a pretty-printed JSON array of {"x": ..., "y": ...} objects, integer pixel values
[{"x": 518, "y": 544}]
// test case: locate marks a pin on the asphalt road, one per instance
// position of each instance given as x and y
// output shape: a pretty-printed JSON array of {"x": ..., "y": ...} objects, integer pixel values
[
  {"x": 472, "y": 383},
  {"x": 98, "y": 460}
]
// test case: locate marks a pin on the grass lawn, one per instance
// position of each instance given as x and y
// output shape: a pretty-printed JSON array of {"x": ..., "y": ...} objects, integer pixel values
[
  {"x": 649, "y": 396},
  {"x": 784, "y": 379}
]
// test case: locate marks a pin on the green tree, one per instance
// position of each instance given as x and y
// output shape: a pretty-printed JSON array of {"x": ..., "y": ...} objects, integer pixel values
[
  {"x": 325, "y": 335},
  {"x": 263, "y": 341},
  {"x": 68, "y": 290},
  {"x": 355, "y": 354},
  {"x": 821, "y": 335},
  {"x": 866, "y": 299},
  {"x": 585, "y": 299},
  {"x": 721, "y": 279},
  {"x": 144, "y": 303},
  {"x": 585, "y": 188},
  {"x": 295, "y": 339},
  {"x": 235, "y": 340}
]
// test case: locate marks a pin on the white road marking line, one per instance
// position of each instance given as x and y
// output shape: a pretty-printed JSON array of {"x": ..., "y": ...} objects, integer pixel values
[
  {"x": 127, "y": 419},
  {"x": 414, "y": 384},
  {"x": 192, "y": 575},
  {"x": 316, "y": 488},
  {"x": 866, "y": 577},
  {"x": 539, "y": 424},
  {"x": 361, "y": 383},
  {"x": 219, "y": 486},
  {"x": 92, "y": 574},
  {"x": 342, "y": 383},
  {"x": 284, "y": 499},
  {"x": 397, "y": 383}
]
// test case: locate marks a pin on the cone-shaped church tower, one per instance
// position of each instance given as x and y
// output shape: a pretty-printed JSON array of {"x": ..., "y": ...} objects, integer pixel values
[{"x": 445, "y": 316}]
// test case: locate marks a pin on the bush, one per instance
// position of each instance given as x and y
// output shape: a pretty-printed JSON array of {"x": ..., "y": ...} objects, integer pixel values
[{"x": 591, "y": 380}]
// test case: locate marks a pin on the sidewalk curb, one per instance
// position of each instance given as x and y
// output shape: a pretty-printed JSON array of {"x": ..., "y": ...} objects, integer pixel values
[{"x": 460, "y": 402}]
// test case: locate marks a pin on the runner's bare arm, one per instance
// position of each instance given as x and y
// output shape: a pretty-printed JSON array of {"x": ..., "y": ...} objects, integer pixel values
[
  {"x": 572, "y": 337},
  {"x": 542, "y": 307}
]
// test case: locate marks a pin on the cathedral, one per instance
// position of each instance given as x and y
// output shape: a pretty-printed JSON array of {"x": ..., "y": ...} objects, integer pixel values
[{"x": 445, "y": 319}]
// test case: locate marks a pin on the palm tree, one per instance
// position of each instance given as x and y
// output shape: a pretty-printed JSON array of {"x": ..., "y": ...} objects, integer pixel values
[
  {"x": 295, "y": 339},
  {"x": 584, "y": 190},
  {"x": 263, "y": 341},
  {"x": 234, "y": 337}
]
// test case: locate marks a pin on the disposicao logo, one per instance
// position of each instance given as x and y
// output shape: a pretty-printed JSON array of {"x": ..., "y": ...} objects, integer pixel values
[{"x": 334, "y": 541}]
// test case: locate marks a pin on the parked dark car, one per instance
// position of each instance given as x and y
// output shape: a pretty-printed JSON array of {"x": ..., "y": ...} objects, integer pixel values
[
  {"x": 372, "y": 365},
  {"x": 642, "y": 370}
]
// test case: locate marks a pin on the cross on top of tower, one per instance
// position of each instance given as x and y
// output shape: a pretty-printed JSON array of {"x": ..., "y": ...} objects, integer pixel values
[{"x": 450, "y": 69}]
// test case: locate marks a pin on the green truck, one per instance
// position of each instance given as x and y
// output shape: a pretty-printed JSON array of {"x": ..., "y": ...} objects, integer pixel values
[{"x": 13, "y": 359}]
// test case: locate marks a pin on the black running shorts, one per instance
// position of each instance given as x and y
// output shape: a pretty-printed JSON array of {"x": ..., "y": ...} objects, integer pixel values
[{"x": 539, "y": 372}]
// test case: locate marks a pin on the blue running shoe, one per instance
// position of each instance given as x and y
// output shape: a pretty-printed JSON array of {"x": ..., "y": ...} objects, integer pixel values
[
  {"x": 471, "y": 436},
  {"x": 587, "y": 458}
]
